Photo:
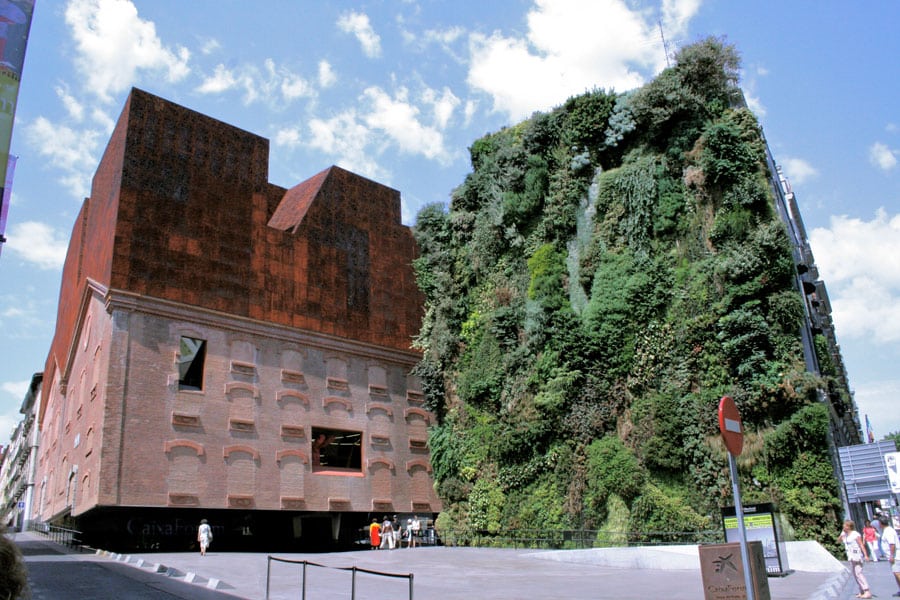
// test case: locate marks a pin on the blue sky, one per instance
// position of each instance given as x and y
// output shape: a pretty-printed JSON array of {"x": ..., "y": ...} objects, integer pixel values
[{"x": 398, "y": 90}]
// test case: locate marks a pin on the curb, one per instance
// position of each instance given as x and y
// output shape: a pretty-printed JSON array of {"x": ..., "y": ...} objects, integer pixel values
[{"x": 189, "y": 577}]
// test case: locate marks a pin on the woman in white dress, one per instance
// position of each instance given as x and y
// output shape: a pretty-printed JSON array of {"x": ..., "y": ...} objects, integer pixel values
[{"x": 204, "y": 536}]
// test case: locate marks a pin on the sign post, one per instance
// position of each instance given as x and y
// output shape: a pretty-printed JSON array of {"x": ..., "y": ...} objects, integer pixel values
[{"x": 733, "y": 436}]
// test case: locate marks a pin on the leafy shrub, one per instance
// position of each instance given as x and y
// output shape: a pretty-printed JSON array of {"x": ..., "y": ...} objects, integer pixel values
[
  {"x": 486, "y": 505},
  {"x": 548, "y": 273},
  {"x": 807, "y": 495},
  {"x": 658, "y": 432},
  {"x": 709, "y": 69},
  {"x": 745, "y": 339},
  {"x": 538, "y": 507},
  {"x": 446, "y": 451},
  {"x": 656, "y": 515},
  {"x": 726, "y": 158},
  {"x": 611, "y": 470},
  {"x": 806, "y": 431},
  {"x": 481, "y": 378},
  {"x": 614, "y": 531},
  {"x": 432, "y": 379},
  {"x": 586, "y": 119},
  {"x": 621, "y": 121}
]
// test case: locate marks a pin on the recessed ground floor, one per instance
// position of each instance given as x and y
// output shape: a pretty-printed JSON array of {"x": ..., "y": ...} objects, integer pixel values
[{"x": 150, "y": 529}]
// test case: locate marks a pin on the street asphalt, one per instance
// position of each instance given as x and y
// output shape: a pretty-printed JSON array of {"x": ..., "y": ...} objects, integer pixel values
[{"x": 449, "y": 573}]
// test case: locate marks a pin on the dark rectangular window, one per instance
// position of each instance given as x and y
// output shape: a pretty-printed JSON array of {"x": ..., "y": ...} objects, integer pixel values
[
  {"x": 191, "y": 356},
  {"x": 333, "y": 449}
]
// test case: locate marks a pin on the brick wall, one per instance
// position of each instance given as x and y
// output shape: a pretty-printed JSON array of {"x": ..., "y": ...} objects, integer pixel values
[{"x": 305, "y": 296}]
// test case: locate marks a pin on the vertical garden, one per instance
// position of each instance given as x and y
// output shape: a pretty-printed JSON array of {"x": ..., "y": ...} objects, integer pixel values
[{"x": 606, "y": 272}]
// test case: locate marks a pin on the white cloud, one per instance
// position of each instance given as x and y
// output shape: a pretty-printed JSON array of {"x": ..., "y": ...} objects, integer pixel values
[
  {"x": 443, "y": 105},
  {"x": 113, "y": 44},
  {"x": 293, "y": 86},
  {"x": 882, "y": 156},
  {"x": 222, "y": 79},
  {"x": 38, "y": 244},
  {"x": 272, "y": 84},
  {"x": 798, "y": 170},
  {"x": 17, "y": 389},
  {"x": 446, "y": 39},
  {"x": 748, "y": 88},
  {"x": 754, "y": 104},
  {"x": 73, "y": 107},
  {"x": 400, "y": 121},
  {"x": 878, "y": 399},
  {"x": 327, "y": 77},
  {"x": 23, "y": 317},
  {"x": 209, "y": 46},
  {"x": 358, "y": 24},
  {"x": 469, "y": 110},
  {"x": 676, "y": 14},
  {"x": 571, "y": 46},
  {"x": 289, "y": 137},
  {"x": 104, "y": 120},
  {"x": 344, "y": 137},
  {"x": 860, "y": 263},
  {"x": 69, "y": 150},
  {"x": 443, "y": 36},
  {"x": 8, "y": 424}
]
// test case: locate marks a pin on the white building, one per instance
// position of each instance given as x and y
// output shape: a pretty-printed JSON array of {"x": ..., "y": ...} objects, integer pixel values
[{"x": 17, "y": 472}]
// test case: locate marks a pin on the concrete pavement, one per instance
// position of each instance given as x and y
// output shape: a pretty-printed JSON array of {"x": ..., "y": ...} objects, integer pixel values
[
  {"x": 881, "y": 581},
  {"x": 443, "y": 573}
]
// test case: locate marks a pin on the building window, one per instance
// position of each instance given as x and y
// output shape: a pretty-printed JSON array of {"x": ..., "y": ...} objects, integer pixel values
[
  {"x": 335, "y": 450},
  {"x": 191, "y": 356},
  {"x": 87, "y": 332}
]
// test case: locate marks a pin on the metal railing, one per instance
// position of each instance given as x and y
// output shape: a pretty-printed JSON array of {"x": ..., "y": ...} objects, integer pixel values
[
  {"x": 60, "y": 535},
  {"x": 577, "y": 538},
  {"x": 353, "y": 570}
]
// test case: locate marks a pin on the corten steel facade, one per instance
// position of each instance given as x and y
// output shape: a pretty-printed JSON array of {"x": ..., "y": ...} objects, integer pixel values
[{"x": 231, "y": 350}]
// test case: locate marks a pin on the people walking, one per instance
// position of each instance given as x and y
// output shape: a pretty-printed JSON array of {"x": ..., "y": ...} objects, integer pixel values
[
  {"x": 870, "y": 537},
  {"x": 856, "y": 554},
  {"x": 889, "y": 547},
  {"x": 204, "y": 536}
]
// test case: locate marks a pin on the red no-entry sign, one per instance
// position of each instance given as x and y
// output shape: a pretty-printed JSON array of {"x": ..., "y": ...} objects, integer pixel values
[{"x": 730, "y": 425}]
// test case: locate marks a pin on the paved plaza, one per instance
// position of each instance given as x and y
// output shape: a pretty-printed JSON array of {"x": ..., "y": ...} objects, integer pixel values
[{"x": 444, "y": 573}]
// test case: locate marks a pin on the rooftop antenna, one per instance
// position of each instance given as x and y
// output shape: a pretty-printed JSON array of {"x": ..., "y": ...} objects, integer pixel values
[{"x": 664, "y": 42}]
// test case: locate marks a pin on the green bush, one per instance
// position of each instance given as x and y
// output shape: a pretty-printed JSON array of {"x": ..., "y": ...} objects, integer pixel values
[
  {"x": 586, "y": 118},
  {"x": 658, "y": 432},
  {"x": 657, "y": 515},
  {"x": 486, "y": 505},
  {"x": 710, "y": 69},
  {"x": 726, "y": 158},
  {"x": 611, "y": 470},
  {"x": 548, "y": 274},
  {"x": 615, "y": 532}
]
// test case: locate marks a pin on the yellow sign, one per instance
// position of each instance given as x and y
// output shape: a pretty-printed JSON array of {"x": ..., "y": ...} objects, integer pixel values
[{"x": 762, "y": 521}]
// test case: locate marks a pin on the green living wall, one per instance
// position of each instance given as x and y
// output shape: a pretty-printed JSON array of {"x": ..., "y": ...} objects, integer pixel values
[{"x": 604, "y": 275}]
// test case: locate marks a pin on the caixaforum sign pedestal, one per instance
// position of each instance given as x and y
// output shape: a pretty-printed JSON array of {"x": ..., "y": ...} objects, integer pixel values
[{"x": 723, "y": 572}]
